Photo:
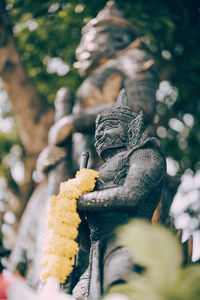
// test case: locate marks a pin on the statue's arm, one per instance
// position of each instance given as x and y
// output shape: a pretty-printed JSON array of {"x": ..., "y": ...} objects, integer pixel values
[
  {"x": 83, "y": 121},
  {"x": 147, "y": 170}
]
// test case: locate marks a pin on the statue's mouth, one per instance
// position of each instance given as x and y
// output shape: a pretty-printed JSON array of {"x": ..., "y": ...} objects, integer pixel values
[{"x": 108, "y": 142}]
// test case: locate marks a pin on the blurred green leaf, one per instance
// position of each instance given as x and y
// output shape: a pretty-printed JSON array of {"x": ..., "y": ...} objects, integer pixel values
[{"x": 157, "y": 250}]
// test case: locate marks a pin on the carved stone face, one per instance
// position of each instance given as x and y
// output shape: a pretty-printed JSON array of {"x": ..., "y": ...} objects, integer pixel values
[
  {"x": 111, "y": 134},
  {"x": 100, "y": 43}
]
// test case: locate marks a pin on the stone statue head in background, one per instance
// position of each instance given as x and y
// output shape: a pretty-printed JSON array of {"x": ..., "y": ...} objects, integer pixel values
[{"x": 104, "y": 37}]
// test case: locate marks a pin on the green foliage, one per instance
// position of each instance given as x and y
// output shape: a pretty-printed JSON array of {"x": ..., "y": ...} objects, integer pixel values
[
  {"x": 44, "y": 32},
  {"x": 157, "y": 250},
  {"x": 6, "y": 143}
]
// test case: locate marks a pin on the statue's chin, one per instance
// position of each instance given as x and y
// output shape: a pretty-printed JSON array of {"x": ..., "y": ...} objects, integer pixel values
[{"x": 111, "y": 150}]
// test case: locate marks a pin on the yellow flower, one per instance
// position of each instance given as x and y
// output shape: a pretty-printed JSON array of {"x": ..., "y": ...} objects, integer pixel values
[
  {"x": 56, "y": 266},
  {"x": 59, "y": 248},
  {"x": 63, "y": 203},
  {"x": 69, "y": 191},
  {"x": 64, "y": 230},
  {"x": 70, "y": 218}
]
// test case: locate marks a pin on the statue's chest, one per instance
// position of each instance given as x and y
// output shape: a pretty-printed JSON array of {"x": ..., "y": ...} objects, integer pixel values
[
  {"x": 114, "y": 171},
  {"x": 102, "y": 87}
]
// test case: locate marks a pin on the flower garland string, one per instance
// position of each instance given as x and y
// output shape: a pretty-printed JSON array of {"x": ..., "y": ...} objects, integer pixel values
[{"x": 59, "y": 248}]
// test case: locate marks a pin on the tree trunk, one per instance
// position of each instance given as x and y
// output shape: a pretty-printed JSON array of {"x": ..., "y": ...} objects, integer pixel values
[{"x": 32, "y": 120}]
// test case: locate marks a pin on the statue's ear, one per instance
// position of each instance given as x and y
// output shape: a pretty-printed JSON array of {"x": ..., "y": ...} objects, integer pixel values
[
  {"x": 135, "y": 130},
  {"x": 98, "y": 119}
]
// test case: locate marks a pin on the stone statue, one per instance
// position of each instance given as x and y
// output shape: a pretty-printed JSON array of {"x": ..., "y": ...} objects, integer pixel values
[{"x": 130, "y": 186}]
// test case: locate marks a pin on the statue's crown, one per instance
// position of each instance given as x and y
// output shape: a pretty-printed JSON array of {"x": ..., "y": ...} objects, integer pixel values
[
  {"x": 110, "y": 14},
  {"x": 120, "y": 112},
  {"x": 109, "y": 11}
]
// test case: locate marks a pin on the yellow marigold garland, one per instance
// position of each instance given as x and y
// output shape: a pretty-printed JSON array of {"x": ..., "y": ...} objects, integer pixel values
[{"x": 59, "y": 248}]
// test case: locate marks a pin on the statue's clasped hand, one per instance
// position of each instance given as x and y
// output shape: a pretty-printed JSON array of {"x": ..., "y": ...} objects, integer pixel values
[{"x": 87, "y": 200}]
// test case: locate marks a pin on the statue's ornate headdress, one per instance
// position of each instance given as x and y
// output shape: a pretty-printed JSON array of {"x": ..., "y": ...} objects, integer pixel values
[
  {"x": 121, "y": 113},
  {"x": 117, "y": 35},
  {"x": 110, "y": 14}
]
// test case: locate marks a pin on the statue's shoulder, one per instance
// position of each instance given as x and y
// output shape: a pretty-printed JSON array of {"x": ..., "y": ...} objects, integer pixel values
[
  {"x": 135, "y": 59},
  {"x": 148, "y": 150},
  {"x": 136, "y": 54}
]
